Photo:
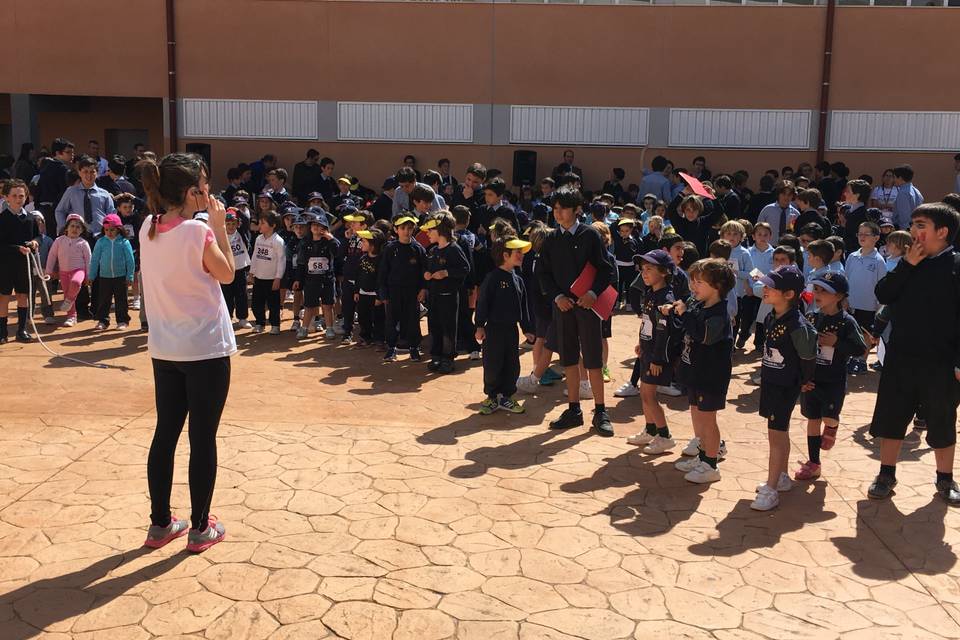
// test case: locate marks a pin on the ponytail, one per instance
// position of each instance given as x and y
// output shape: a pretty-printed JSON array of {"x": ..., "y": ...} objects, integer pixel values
[{"x": 166, "y": 183}]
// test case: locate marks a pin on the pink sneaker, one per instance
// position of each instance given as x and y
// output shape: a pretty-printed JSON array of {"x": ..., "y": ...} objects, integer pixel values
[
  {"x": 829, "y": 438},
  {"x": 159, "y": 536},
  {"x": 199, "y": 541},
  {"x": 807, "y": 471}
]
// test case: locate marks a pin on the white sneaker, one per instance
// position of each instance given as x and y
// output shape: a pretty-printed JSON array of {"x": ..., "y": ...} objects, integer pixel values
[
  {"x": 702, "y": 473},
  {"x": 766, "y": 500},
  {"x": 302, "y": 332},
  {"x": 586, "y": 392},
  {"x": 122, "y": 326},
  {"x": 257, "y": 328},
  {"x": 66, "y": 304},
  {"x": 50, "y": 320},
  {"x": 243, "y": 324},
  {"x": 135, "y": 303},
  {"x": 70, "y": 322},
  {"x": 784, "y": 484},
  {"x": 692, "y": 448},
  {"x": 755, "y": 378},
  {"x": 686, "y": 464},
  {"x": 642, "y": 439},
  {"x": 318, "y": 324},
  {"x": 289, "y": 297},
  {"x": 330, "y": 333},
  {"x": 626, "y": 390},
  {"x": 476, "y": 355},
  {"x": 274, "y": 331},
  {"x": 528, "y": 384},
  {"x": 100, "y": 326},
  {"x": 671, "y": 390},
  {"x": 295, "y": 326},
  {"x": 659, "y": 445},
  {"x": 722, "y": 452}
]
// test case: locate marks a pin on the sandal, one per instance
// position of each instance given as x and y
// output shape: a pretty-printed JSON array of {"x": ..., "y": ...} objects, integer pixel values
[{"x": 829, "y": 438}]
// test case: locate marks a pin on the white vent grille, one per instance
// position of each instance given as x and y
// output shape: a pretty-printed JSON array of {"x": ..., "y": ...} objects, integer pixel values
[
  {"x": 895, "y": 130},
  {"x": 740, "y": 128},
  {"x": 602, "y": 126},
  {"x": 405, "y": 122},
  {"x": 272, "y": 119}
]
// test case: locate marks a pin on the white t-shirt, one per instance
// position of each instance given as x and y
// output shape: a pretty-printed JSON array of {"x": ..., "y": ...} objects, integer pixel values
[
  {"x": 269, "y": 257},
  {"x": 241, "y": 259},
  {"x": 885, "y": 196},
  {"x": 188, "y": 316}
]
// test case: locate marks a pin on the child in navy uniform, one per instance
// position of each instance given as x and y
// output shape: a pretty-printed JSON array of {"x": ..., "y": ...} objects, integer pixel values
[
  {"x": 316, "y": 274},
  {"x": 351, "y": 252},
  {"x": 789, "y": 361},
  {"x": 922, "y": 365},
  {"x": 501, "y": 305},
  {"x": 839, "y": 339},
  {"x": 446, "y": 270},
  {"x": 656, "y": 269},
  {"x": 235, "y": 293},
  {"x": 625, "y": 246},
  {"x": 402, "y": 267},
  {"x": 468, "y": 243},
  {"x": 705, "y": 365},
  {"x": 369, "y": 304}
]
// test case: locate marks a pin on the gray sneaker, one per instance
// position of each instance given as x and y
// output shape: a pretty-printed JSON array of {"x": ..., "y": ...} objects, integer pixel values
[
  {"x": 198, "y": 541},
  {"x": 159, "y": 536}
]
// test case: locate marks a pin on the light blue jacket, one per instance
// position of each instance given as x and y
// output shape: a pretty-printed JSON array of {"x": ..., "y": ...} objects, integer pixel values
[
  {"x": 743, "y": 264},
  {"x": 112, "y": 259}
]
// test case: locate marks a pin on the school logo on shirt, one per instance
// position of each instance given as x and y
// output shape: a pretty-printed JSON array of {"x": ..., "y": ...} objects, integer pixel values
[
  {"x": 685, "y": 356},
  {"x": 772, "y": 358}
]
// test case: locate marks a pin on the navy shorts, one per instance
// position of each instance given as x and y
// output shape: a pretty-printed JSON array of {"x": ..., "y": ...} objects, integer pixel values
[
  {"x": 286, "y": 281},
  {"x": 825, "y": 401},
  {"x": 706, "y": 400},
  {"x": 14, "y": 276},
  {"x": 776, "y": 405},
  {"x": 317, "y": 293},
  {"x": 665, "y": 377},
  {"x": 906, "y": 386},
  {"x": 541, "y": 326},
  {"x": 578, "y": 332}
]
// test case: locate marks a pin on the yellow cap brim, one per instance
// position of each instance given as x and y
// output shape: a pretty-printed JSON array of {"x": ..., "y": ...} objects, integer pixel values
[
  {"x": 363, "y": 233},
  {"x": 627, "y": 221},
  {"x": 404, "y": 219},
  {"x": 429, "y": 224},
  {"x": 517, "y": 243},
  {"x": 353, "y": 218}
]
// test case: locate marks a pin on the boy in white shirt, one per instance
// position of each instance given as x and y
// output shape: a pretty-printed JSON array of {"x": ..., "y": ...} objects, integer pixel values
[
  {"x": 235, "y": 293},
  {"x": 268, "y": 264}
]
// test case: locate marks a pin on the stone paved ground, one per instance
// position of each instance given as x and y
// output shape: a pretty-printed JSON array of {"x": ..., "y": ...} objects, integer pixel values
[{"x": 366, "y": 501}]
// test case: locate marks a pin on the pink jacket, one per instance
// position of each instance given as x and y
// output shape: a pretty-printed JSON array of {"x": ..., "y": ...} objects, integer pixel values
[{"x": 68, "y": 254}]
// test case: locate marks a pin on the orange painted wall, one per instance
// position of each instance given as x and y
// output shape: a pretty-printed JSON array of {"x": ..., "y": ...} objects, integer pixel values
[{"x": 106, "y": 113}]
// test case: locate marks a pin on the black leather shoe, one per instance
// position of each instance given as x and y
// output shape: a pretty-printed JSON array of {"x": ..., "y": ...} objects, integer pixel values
[
  {"x": 601, "y": 424},
  {"x": 433, "y": 365},
  {"x": 882, "y": 487},
  {"x": 568, "y": 419},
  {"x": 23, "y": 336},
  {"x": 415, "y": 355},
  {"x": 950, "y": 492}
]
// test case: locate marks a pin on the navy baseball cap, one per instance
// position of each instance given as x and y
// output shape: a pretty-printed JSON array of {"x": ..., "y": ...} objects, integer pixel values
[
  {"x": 240, "y": 200},
  {"x": 389, "y": 183},
  {"x": 785, "y": 278},
  {"x": 289, "y": 209},
  {"x": 833, "y": 282},
  {"x": 599, "y": 207},
  {"x": 314, "y": 195},
  {"x": 322, "y": 219},
  {"x": 305, "y": 218},
  {"x": 658, "y": 257},
  {"x": 315, "y": 210}
]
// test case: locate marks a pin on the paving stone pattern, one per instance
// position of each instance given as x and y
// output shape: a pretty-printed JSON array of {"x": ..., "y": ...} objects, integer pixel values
[{"x": 367, "y": 501}]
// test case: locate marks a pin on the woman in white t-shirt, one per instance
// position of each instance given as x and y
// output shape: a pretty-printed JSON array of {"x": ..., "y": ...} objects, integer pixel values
[
  {"x": 183, "y": 262},
  {"x": 885, "y": 194}
]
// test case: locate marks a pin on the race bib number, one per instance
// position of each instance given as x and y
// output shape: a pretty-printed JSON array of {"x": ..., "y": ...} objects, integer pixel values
[
  {"x": 735, "y": 266},
  {"x": 318, "y": 265},
  {"x": 646, "y": 327},
  {"x": 773, "y": 358},
  {"x": 237, "y": 248},
  {"x": 824, "y": 354},
  {"x": 128, "y": 229},
  {"x": 263, "y": 253}
]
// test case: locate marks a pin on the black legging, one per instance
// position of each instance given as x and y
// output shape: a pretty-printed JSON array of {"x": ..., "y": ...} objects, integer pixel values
[{"x": 199, "y": 389}]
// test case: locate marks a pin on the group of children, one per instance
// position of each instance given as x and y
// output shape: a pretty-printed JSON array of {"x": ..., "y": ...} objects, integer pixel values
[{"x": 810, "y": 299}]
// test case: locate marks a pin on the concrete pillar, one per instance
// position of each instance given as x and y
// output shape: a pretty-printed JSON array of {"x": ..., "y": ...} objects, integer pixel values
[{"x": 23, "y": 121}]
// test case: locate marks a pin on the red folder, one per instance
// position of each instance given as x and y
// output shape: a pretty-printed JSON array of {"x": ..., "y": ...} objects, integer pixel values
[
  {"x": 697, "y": 187},
  {"x": 603, "y": 306}
]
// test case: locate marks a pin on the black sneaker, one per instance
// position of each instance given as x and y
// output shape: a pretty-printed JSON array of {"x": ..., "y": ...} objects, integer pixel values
[
  {"x": 882, "y": 487},
  {"x": 433, "y": 365},
  {"x": 601, "y": 424},
  {"x": 568, "y": 419},
  {"x": 919, "y": 424},
  {"x": 950, "y": 492},
  {"x": 415, "y": 355},
  {"x": 741, "y": 343},
  {"x": 446, "y": 366},
  {"x": 23, "y": 336},
  {"x": 390, "y": 355}
]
